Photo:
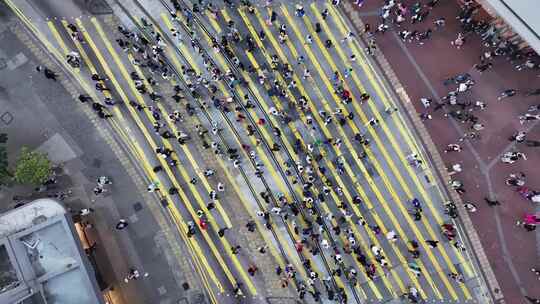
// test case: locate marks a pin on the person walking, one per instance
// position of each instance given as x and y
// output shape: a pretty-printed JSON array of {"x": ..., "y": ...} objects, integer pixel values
[
  {"x": 491, "y": 203},
  {"x": 532, "y": 300},
  {"x": 85, "y": 211},
  {"x": 252, "y": 269},
  {"x": 49, "y": 74},
  {"x": 506, "y": 93},
  {"x": 122, "y": 223},
  {"x": 459, "y": 41},
  {"x": 432, "y": 243}
]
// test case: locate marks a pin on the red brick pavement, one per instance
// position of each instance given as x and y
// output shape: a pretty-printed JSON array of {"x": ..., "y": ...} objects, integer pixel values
[{"x": 438, "y": 60}]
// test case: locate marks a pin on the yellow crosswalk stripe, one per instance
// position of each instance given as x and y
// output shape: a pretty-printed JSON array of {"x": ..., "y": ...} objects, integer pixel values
[
  {"x": 374, "y": 160},
  {"x": 57, "y": 36},
  {"x": 120, "y": 91},
  {"x": 300, "y": 87},
  {"x": 278, "y": 105},
  {"x": 292, "y": 257},
  {"x": 289, "y": 147},
  {"x": 60, "y": 41},
  {"x": 351, "y": 149},
  {"x": 212, "y": 222},
  {"x": 263, "y": 156},
  {"x": 249, "y": 208},
  {"x": 185, "y": 199},
  {"x": 265, "y": 53},
  {"x": 213, "y": 22},
  {"x": 85, "y": 58},
  {"x": 398, "y": 174}
]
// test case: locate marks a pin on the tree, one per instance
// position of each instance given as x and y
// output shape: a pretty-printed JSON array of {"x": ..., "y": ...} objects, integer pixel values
[
  {"x": 5, "y": 175},
  {"x": 32, "y": 167}
]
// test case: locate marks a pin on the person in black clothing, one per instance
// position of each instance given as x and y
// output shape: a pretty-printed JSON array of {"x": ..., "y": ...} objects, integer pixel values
[{"x": 533, "y": 300}]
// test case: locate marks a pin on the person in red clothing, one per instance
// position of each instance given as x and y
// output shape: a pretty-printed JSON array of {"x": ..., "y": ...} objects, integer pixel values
[
  {"x": 299, "y": 246},
  {"x": 203, "y": 224},
  {"x": 252, "y": 270}
]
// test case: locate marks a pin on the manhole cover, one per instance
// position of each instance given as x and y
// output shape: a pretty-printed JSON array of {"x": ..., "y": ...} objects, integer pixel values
[
  {"x": 96, "y": 162},
  {"x": 6, "y": 118},
  {"x": 137, "y": 207},
  {"x": 162, "y": 290}
]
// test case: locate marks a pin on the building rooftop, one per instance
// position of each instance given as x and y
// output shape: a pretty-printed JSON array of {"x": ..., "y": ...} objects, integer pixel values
[
  {"x": 522, "y": 16},
  {"x": 41, "y": 258}
]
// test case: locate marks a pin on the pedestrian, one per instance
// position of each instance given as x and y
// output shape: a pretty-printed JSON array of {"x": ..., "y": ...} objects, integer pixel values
[
  {"x": 391, "y": 236},
  {"x": 100, "y": 87},
  {"x": 221, "y": 231},
  {"x": 324, "y": 13},
  {"x": 122, "y": 223},
  {"x": 49, "y": 74},
  {"x": 328, "y": 43},
  {"x": 470, "y": 207},
  {"x": 452, "y": 148},
  {"x": 425, "y": 116},
  {"x": 532, "y": 143},
  {"x": 85, "y": 211},
  {"x": 482, "y": 67},
  {"x": 518, "y": 137},
  {"x": 459, "y": 41},
  {"x": 426, "y": 102},
  {"x": 491, "y": 203},
  {"x": 516, "y": 179},
  {"x": 103, "y": 180},
  {"x": 439, "y": 23},
  {"x": 529, "y": 222},
  {"x": 432, "y": 243},
  {"x": 458, "y": 277},
  {"x": 506, "y": 93},
  {"x": 236, "y": 249},
  {"x": 511, "y": 157},
  {"x": 262, "y": 249},
  {"x": 536, "y": 272},
  {"x": 153, "y": 186},
  {"x": 84, "y": 98},
  {"x": 250, "y": 225},
  {"x": 414, "y": 268}
]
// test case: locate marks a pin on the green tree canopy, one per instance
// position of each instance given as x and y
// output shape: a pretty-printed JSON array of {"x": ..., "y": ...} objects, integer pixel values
[{"x": 32, "y": 167}]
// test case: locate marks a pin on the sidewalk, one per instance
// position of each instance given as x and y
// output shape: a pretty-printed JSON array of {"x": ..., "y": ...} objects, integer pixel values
[{"x": 421, "y": 70}]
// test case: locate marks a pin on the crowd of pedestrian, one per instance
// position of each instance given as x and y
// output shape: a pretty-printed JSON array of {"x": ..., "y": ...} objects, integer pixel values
[
  {"x": 457, "y": 103},
  {"x": 310, "y": 228}
]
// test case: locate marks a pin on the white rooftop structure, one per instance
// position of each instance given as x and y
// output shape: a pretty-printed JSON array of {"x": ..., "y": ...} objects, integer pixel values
[
  {"x": 41, "y": 258},
  {"x": 522, "y": 15}
]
